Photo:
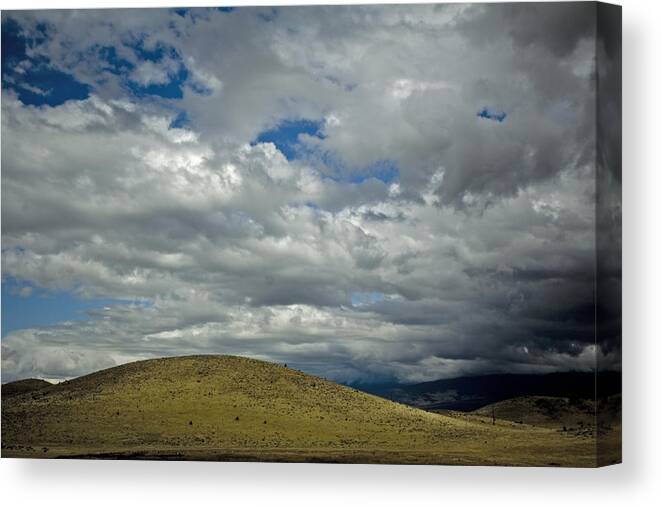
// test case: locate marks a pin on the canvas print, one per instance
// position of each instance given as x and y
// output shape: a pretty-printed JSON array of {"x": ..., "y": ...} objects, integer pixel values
[{"x": 346, "y": 234}]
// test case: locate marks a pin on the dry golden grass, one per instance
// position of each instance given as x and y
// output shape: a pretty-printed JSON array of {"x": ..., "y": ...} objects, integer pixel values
[{"x": 233, "y": 408}]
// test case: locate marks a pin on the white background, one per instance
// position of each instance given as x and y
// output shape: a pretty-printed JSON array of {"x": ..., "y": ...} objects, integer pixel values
[{"x": 636, "y": 482}]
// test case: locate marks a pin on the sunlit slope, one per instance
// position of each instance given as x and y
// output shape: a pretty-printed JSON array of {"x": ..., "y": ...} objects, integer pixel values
[
  {"x": 220, "y": 401},
  {"x": 224, "y": 407}
]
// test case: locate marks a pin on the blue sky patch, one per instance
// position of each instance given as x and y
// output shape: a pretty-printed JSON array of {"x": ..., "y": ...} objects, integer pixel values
[
  {"x": 25, "y": 305},
  {"x": 386, "y": 171},
  {"x": 170, "y": 90},
  {"x": 33, "y": 79},
  {"x": 115, "y": 64},
  {"x": 173, "y": 89},
  {"x": 286, "y": 136},
  {"x": 155, "y": 54},
  {"x": 383, "y": 170},
  {"x": 489, "y": 114},
  {"x": 199, "y": 88},
  {"x": 366, "y": 298},
  {"x": 180, "y": 121},
  {"x": 121, "y": 67}
]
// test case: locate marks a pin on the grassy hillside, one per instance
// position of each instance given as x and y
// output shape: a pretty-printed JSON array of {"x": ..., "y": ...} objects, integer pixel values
[
  {"x": 547, "y": 411},
  {"x": 579, "y": 417},
  {"x": 23, "y": 386},
  {"x": 223, "y": 407},
  {"x": 557, "y": 413}
]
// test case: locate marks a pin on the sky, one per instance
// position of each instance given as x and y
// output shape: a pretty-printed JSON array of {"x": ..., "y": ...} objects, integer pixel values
[{"x": 367, "y": 193}]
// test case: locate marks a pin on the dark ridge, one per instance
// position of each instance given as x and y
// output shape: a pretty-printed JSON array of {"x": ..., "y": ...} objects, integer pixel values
[
  {"x": 471, "y": 393},
  {"x": 23, "y": 386}
]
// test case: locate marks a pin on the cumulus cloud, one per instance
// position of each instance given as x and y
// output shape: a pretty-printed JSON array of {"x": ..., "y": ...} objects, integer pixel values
[{"x": 476, "y": 254}]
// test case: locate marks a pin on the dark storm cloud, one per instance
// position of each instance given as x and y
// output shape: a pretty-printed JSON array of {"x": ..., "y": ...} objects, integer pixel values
[
  {"x": 609, "y": 183},
  {"x": 555, "y": 27},
  {"x": 541, "y": 80},
  {"x": 473, "y": 253}
]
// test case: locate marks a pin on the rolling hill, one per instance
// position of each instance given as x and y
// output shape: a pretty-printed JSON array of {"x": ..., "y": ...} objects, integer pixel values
[
  {"x": 234, "y": 408},
  {"x": 572, "y": 414}
]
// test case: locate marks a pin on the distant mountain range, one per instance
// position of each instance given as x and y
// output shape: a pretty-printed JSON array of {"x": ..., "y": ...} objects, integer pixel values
[{"x": 471, "y": 393}]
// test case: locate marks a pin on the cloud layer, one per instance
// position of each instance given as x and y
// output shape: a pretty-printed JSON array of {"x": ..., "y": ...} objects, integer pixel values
[{"x": 473, "y": 252}]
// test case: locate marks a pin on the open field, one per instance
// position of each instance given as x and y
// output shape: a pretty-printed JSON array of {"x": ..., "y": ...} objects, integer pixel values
[
  {"x": 232, "y": 408},
  {"x": 572, "y": 416}
]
